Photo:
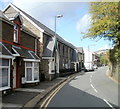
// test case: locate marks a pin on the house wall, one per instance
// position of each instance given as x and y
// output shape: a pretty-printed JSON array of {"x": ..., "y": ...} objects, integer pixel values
[
  {"x": 44, "y": 68},
  {"x": 7, "y": 34},
  {"x": 7, "y": 31},
  {"x": 0, "y": 29},
  {"x": 80, "y": 56},
  {"x": 27, "y": 40},
  {"x": 65, "y": 55}
]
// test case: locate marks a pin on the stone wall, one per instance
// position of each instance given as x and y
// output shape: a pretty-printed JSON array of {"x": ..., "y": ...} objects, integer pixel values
[
  {"x": 44, "y": 69},
  {"x": 114, "y": 71}
]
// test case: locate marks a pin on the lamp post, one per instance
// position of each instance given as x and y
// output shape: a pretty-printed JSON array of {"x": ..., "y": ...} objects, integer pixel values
[
  {"x": 58, "y": 16},
  {"x": 55, "y": 42}
]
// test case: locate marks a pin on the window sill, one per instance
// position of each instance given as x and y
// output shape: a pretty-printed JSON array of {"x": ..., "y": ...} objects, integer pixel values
[
  {"x": 32, "y": 81},
  {"x": 16, "y": 43},
  {"x": 52, "y": 72},
  {"x": 4, "y": 88}
]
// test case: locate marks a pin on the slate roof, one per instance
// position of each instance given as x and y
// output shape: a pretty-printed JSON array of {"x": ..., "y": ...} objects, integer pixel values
[
  {"x": 47, "y": 52},
  {"x": 25, "y": 53},
  {"x": 4, "y": 51},
  {"x": 19, "y": 51}
]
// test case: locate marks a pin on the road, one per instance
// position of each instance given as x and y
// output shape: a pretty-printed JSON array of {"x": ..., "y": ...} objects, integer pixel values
[{"x": 91, "y": 89}]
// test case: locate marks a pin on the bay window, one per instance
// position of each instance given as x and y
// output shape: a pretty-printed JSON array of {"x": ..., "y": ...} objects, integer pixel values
[
  {"x": 4, "y": 74},
  {"x": 32, "y": 71}
]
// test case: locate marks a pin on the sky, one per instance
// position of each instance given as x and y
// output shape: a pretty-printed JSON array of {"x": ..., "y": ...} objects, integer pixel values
[{"x": 76, "y": 19}]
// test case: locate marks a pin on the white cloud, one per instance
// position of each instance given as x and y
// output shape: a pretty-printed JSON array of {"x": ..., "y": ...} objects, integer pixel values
[
  {"x": 84, "y": 23},
  {"x": 104, "y": 47},
  {"x": 45, "y": 11}
]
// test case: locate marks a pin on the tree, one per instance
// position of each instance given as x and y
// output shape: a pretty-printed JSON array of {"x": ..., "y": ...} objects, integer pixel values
[
  {"x": 104, "y": 58},
  {"x": 105, "y": 21}
]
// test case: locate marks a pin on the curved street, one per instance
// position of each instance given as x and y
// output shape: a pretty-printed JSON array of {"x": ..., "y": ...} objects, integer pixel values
[{"x": 91, "y": 89}]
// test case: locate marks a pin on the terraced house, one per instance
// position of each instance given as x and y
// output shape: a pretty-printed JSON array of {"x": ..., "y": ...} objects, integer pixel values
[
  {"x": 53, "y": 61},
  {"x": 19, "y": 56},
  {"x": 57, "y": 58}
]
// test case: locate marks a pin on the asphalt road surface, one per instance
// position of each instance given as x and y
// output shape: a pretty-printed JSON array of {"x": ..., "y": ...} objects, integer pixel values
[{"x": 91, "y": 89}]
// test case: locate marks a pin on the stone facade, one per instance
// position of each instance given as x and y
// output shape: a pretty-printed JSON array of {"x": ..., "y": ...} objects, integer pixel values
[{"x": 65, "y": 57}]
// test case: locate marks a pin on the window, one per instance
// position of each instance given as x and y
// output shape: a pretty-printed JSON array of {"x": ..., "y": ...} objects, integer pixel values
[
  {"x": 32, "y": 71},
  {"x": 36, "y": 71},
  {"x": 4, "y": 73},
  {"x": 63, "y": 50},
  {"x": 29, "y": 71},
  {"x": 15, "y": 39},
  {"x": 59, "y": 49}
]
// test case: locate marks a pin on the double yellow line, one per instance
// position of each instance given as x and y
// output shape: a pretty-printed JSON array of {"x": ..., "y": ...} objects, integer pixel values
[{"x": 46, "y": 102}]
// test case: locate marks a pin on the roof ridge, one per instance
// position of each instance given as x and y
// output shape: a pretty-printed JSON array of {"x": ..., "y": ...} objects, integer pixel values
[{"x": 44, "y": 27}]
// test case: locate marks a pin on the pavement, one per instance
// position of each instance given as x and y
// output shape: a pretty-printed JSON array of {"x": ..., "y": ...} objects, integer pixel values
[{"x": 28, "y": 97}]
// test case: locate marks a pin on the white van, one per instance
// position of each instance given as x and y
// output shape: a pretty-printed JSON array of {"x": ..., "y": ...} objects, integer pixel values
[{"x": 88, "y": 66}]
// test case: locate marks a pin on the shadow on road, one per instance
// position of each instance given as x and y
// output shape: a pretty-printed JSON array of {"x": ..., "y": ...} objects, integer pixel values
[{"x": 74, "y": 98}]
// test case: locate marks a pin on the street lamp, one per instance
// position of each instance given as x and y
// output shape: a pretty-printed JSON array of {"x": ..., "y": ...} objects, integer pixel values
[
  {"x": 58, "y": 16},
  {"x": 55, "y": 40}
]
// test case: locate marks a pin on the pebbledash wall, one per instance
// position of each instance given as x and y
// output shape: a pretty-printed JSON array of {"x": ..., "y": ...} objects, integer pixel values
[{"x": 19, "y": 59}]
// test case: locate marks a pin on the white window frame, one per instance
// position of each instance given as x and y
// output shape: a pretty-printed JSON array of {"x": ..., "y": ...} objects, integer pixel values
[
  {"x": 6, "y": 87},
  {"x": 33, "y": 67},
  {"x": 51, "y": 66},
  {"x": 30, "y": 52},
  {"x": 15, "y": 37},
  {"x": 26, "y": 71}
]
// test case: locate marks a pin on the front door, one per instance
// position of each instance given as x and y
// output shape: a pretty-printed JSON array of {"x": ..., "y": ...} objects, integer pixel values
[{"x": 14, "y": 75}]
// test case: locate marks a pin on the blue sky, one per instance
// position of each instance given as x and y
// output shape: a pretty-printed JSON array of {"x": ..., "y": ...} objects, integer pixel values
[{"x": 74, "y": 21}]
